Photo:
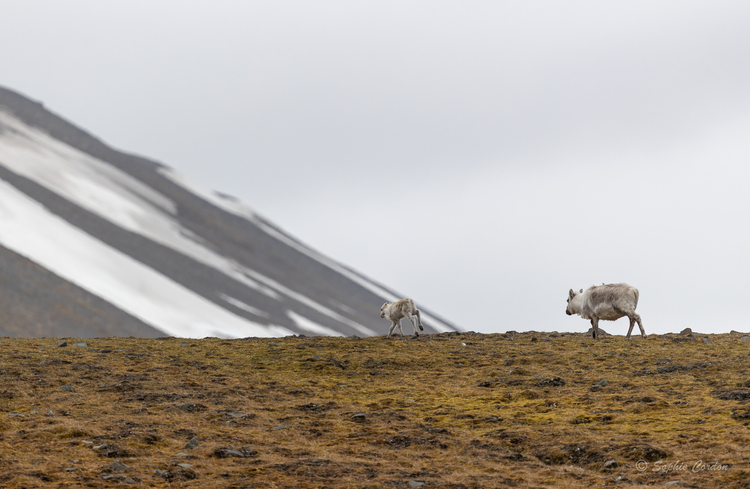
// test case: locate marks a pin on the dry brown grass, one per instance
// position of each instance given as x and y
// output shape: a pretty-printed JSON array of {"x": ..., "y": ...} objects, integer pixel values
[{"x": 451, "y": 410}]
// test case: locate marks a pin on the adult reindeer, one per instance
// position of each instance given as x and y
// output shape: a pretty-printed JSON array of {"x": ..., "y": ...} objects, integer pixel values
[{"x": 608, "y": 302}]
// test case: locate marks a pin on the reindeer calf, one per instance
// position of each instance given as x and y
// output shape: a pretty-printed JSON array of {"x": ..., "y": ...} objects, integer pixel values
[{"x": 396, "y": 311}]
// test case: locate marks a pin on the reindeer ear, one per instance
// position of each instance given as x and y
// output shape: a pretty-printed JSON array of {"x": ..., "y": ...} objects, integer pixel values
[
  {"x": 581, "y": 292},
  {"x": 571, "y": 294}
]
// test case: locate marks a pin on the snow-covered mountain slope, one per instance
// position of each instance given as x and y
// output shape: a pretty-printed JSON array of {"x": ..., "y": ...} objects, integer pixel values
[{"x": 95, "y": 242}]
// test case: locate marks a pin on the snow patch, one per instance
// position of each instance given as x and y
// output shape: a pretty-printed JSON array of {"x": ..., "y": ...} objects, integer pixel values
[
  {"x": 31, "y": 230},
  {"x": 309, "y": 325},
  {"x": 245, "y": 307}
]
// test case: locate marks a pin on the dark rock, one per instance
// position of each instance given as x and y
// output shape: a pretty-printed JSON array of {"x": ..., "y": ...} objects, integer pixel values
[
  {"x": 62, "y": 343},
  {"x": 67, "y": 388},
  {"x": 734, "y": 395},
  {"x": 554, "y": 381},
  {"x": 359, "y": 417},
  {"x": 113, "y": 451},
  {"x": 191, "y": 407},
  {"x": 686, "y": 332},
  {"x": 706, "y": 339},
  {"x": 191, "y": 444}
]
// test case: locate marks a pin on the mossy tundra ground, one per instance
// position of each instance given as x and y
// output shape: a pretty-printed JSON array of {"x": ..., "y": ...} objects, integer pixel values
[{"x": 452, "y": 410}]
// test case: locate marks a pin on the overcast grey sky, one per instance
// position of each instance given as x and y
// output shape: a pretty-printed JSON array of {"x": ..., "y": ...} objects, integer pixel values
[{"x": 480, "y": 157}]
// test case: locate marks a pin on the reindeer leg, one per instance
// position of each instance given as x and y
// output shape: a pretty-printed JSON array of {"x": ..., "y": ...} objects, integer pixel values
[
  {"x": 393, "y": 326},
  {"x": 640, "y": 325},
  {"x": 419, "y": 317},
  {"x": 400, "y": 329},
  {"x": 630, "y": 329},
  {"x": 595, "y": 325},
  {"x": 413, "y": 324}
]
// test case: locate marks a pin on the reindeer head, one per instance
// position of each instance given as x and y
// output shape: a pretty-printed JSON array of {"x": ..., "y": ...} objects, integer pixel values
[
  {"x": 574, "y": 302},
  {"x": 383, "y": 309}
]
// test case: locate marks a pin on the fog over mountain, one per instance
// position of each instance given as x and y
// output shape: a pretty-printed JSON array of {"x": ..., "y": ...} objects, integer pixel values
[{"x": 96, "y": 242}]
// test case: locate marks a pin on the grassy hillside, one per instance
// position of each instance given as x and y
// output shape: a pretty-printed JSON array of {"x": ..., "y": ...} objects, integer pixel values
[{"x": 449, "y": 410}]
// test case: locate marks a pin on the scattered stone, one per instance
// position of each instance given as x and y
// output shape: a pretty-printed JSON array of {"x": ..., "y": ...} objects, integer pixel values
[
  {"x": 51, "y": 413},
  {"x": 183, "y": 345},
  {"x": 706, "y": 339},
  {"x": 745, "y": 338},
  {"x": 415, "y": 484},
  {"x": 161, "y": 473},
  {"x": 610, "y": 464},
  {"x": 62, "y": 343},
  {"x": 181, "y": 454},
  {"x": 116, "y": 465},
  {"x": 224, "y": 452},
  {"x": 114, "y": 477},
  {"x": 601, "y": 332},
  {"x": 602, "y": 383},
  {"x": 71, "y": 469},
  {"x": 191, "y": 407},
  {"x": 67, "y": 388},
  {"x": 184, "y": 466},
  {"x": 546, "y": 340},
  {"x": 227, "y": 452},
  {"x": 132, "y": 480},
  {"x": 86, "y": 442},
  {"x": 359, "y": 417},
  {"x": 81, "y": 344},
  {"x": 280, "y": 427},
  {"x": 192, "y": 443},
  {"x": 686, "y": 332}
]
